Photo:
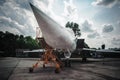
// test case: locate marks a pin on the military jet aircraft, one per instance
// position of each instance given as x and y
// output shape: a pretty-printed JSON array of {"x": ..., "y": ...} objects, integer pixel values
[{"x": 55, "y": 37}]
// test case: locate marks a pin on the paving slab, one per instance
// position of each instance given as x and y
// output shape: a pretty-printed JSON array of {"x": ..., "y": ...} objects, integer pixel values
[{"x": 7, "y": 65}]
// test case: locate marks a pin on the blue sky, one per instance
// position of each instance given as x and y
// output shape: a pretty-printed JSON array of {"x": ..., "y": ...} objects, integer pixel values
[{"x": 99, "y": 20}]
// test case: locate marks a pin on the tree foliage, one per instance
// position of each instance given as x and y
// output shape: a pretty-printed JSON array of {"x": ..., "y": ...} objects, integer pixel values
[
  {"x": 74, "y": 27},
  {"x": 76, "y": 30},
  {"x": 10, "y": 42}
]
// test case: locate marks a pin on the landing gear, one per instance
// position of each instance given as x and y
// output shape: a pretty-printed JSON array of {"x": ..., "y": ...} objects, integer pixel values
[
  {"x": 84, "y": 59},
  {"x": 67, "y": 63},
  {"x": 34, "y": 66},
  {"x": 48, "y": 56},
  {"x": 30, "y": 69},
  {"x": 43, "y": 65},
  {"x": 57, "y": 70}
]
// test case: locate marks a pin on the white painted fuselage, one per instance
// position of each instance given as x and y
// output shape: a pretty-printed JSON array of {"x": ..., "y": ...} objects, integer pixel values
[{"x": 55, "y": 35}]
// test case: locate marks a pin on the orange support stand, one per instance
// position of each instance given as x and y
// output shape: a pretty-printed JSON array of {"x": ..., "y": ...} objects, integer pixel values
[{"x": 48, "y": 56}]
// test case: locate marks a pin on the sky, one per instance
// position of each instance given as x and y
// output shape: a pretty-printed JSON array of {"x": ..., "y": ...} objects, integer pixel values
[{"x": 99, "y": 20}]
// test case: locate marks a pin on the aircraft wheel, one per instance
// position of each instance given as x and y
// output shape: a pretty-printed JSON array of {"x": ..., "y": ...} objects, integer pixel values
[
  {"x": 31, "y": 70},
  {"x": 57, "y": 70},
  {"x": 69, "y": 64},
  {"x": 66, "y": 64},
  {"x": 84, "y": 59},
  {"x": 61, "y": 66},
  {"x": 43, "y": 65}
]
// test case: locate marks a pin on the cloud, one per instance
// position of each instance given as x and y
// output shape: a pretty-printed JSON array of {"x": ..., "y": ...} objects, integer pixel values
[
  {"x": 93, "y": 35},
  {"x": 58, "y": 18},
  {"x": 118, "y": 23},
  {"x": 4, "y": 21},
  {"x": 15, "y": 15},
  {"x": 70, "y": 11},
  {"x": 87, "y": 26},
  {"x": 2, "y": 1},
  {"x": 116, "y": 41},
  {"x": 107, "y": 28},
  {"x": 107, "y": 3}
]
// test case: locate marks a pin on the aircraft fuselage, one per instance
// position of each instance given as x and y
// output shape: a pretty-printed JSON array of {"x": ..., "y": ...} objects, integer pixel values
[{"x": 55, "y": 35}]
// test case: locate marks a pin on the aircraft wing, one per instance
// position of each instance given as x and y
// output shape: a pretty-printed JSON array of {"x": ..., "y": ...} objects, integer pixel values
[
  {"x": 102, "y": 50},
  {"x": 32, "y": 51},
  {"x": 108, "y": 51}
]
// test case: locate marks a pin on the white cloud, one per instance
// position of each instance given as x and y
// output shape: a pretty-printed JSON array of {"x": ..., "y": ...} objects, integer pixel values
[
  {"x": 93, "y": 35},
  {"x": 109, "y": 41},
  {"x": 107, "y": 3},
  {"x": 18, "y": 17},
  {"x": 86, "y": 26},
  {"x": 5, "y": 28},
  {"x": 117, "y": 27},
  {"x": 116, "y": 41},
  {"x": 107, "y": 28},
  {"x": 118, "y": 22},
  {"x": 70, "y": 11},
  {"x": 10, "y": 23}
]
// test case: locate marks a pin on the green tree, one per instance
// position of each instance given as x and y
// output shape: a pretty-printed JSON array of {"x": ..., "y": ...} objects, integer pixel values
[
  {"x": 31, "y": 43},
  {"x": 9, "y": 42},
  {"x": 74, "y": 27},
  {"x": 76, "y": 30}
]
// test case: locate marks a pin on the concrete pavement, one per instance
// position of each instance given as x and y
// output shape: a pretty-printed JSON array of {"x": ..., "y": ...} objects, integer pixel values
[{"x": 94, "y": 69}]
